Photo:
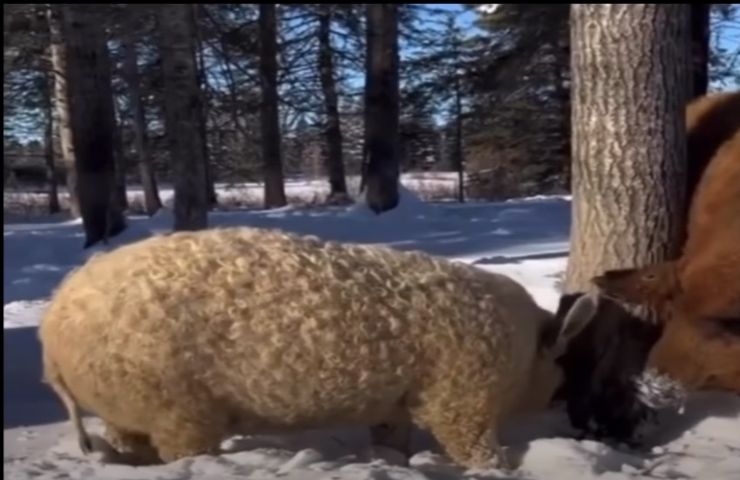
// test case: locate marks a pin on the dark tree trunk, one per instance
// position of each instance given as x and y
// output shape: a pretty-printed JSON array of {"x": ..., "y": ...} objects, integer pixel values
[
  {"x": 182, "y": 105},
  {"x": 152, "y": 202},
  {"x": 381, "y": 172},
  {"x": 700, "y": 48},
  {"x": 120, "y": 162},
  {"x": 51, "y": 173},
  {"x": 93, "y": 123},
  {"x": 62, "y": 119},
  {"x": 459, "y": 161},
  {"x": 203, "y": 112},
  {"x": 273, "y": 166},
  {"x": 332, "y": 132}
]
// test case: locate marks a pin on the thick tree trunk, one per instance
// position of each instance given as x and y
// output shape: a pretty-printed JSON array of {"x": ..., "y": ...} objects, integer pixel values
[
  {"x": 93, "y": 123},
  {"x": 182, "y": 105},
  {"x": 629, "y": 87},
  {"x": 152, "y": 202},
  {"x": 51, "y": 173},
  {"x": 332, "y": 132},
  {"x": 700, "y": 48},
  {"x": 61, "y": 104},
  {"x": 382, "y": 108},
  {"x": 273, "y": 167},
  {"x": 629, "y": 157}
]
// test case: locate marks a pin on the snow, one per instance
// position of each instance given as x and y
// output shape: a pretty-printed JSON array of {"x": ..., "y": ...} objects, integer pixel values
[{"x": 525, "y": 238}]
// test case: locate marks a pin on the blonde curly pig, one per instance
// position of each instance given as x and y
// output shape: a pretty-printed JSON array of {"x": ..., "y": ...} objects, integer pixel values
[{"x": 179, "y": 341}]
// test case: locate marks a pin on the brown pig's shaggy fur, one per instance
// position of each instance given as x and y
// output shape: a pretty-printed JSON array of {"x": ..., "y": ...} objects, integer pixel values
[
  {"x": 182, "y": 340},
  {"x": 701, "y": 353},
  {"x": 710, "y": 120},
  {"x": 697, "y": 296}
]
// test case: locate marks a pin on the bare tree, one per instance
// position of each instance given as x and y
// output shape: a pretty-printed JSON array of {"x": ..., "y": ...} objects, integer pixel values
[
  {"x": 211, "y": 195},
  {"x": 332, "y": 131},
  {"x": 92, "y": 118},
  {"x": 382, "y": 169},
  {"x": 273, "y": 166},
  {"x": 182, "y": 117},
  {"x": 152, "y": 201},
  {"x": 51, "y": 172},
  {"x": 629, "y": 156},
  {"x": 61, "y": 103}
]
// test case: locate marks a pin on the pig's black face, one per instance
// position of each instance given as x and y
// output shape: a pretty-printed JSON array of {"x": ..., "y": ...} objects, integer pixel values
[{"x": 600, "y": 370}]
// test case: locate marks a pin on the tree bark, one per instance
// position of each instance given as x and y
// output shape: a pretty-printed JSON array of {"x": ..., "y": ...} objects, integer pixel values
[
  {"x": 459, "y": 161},
  {"x": 382, "y": 147},
  {"x": 119, "y": 156},
  {"x": 211, "y": 196},
  {"x": 152, "y": 202},
  {"x": 61, "y": 104},
  {"x": 51, "y": 173},
  {"x": 272, "y": 163},
  {"x": 630, "y": 80},
  {"x": 93, "y": 123},
  {"x": 700, "y": 48},
  {"x": 182, "y": 104},
  {"x": 332, "y": 132}
]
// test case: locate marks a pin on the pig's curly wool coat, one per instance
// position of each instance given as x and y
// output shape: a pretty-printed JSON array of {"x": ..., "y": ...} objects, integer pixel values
[{"x": 179, "y": 341}]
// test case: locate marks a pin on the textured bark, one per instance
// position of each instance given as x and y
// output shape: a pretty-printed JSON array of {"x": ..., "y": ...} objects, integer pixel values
[
  {"x": 92, "y": 117},
  {"x": 700, "y": 48},
  {"x": 182, "y": 105},
  {"x": 272, "y": 163},
  {"x": 630, "y": 79},
  {"x": 51, "y": 173},
  {"x": 332, "y": 132},
  {"x": 152, "y": 202},
  {"x": 382, "y": 147},
  {"x": 61, "y": 104}
]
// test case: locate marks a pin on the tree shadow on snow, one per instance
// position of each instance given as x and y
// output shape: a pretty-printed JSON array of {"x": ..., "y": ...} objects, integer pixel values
[{"x": 26, "y": 400}]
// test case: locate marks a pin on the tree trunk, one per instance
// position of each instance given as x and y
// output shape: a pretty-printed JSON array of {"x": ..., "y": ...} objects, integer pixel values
[
  {"x": 273, "y": 167},
  {"x": 93, "y": 123},
  {"x": 333, "y": 132},
  {"x": 182, "y": 104},
  {"x": 629, "y": 67},
  {"x": 459, "y": 162},
  {"x": 119, "y": 155},
  {"x": 382, "y": 108},
  {"x": 629, "y": 156},
  {"x": 152, "y": 202},
  {"x": 700, "y": 48},
  {"x": 211, "y": 196},
  {"x": 61, "y": 104},
  {"x": 51, "y": 173}
]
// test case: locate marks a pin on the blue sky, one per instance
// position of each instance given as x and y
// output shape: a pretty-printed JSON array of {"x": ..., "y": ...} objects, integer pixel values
[{"x": 730, "y": 41}]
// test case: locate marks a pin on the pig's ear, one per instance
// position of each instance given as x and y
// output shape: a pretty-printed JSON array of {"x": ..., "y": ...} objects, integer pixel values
[
  {"x": 650, "y": 286},
  {"x": 580, "y": 314}
]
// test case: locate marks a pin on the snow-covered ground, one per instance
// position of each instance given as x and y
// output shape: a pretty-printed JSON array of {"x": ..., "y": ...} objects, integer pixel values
[
  {"x": 305, "y": 191},
  {"x": 525, "y": 238}
]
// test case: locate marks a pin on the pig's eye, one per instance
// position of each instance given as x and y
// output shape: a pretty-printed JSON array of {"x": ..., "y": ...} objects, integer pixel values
[
  {"x": 731, "y": 326},
  {"x": 726, "y": 326}
]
